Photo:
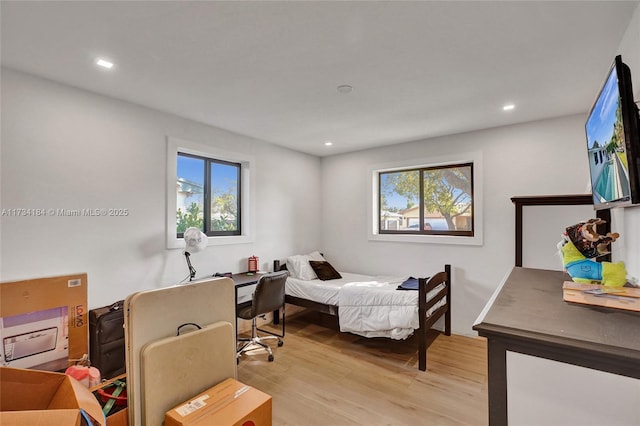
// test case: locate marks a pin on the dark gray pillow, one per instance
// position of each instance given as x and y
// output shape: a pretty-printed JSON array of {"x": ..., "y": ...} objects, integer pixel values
[{"x": 324, "y": 270}]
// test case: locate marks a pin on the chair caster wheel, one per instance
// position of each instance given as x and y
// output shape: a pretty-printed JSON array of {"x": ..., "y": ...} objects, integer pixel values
[
  {"x": 270, "y": 358},
  {"x": 280, "y": 343}
]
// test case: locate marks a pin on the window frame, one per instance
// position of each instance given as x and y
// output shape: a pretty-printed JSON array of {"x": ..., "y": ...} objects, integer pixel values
[
  {"x": 246, "y": 193},
  {"x": 206, "y": 208},
  {"x": 437, "y": 237},
  {"x": 421, "y": 218}
]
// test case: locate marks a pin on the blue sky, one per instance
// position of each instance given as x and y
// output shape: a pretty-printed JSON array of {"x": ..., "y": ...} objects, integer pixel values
[
  {"x": 192, "y": 169},
  {"x": 393, "y": 199},
  {"x": 600, "y": 123}
]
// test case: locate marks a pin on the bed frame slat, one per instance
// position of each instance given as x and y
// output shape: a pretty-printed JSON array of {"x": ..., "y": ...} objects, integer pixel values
[
  {"x": 435, "y": 316},
  {"x": 436, "y": 299}
]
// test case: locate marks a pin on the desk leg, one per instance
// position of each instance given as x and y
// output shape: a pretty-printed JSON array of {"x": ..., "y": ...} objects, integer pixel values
[{"x": 497, "y": 371}]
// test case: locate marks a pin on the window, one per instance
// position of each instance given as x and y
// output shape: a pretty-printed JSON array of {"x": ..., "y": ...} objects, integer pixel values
[
  {"x": 431, "y": 200},
  {"x": 208, "y": 195},
  {"x": 209, "y": 188}
]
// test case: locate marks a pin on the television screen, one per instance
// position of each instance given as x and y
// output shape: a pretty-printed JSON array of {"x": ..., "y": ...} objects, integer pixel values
[{"x": 612, "y": 143}]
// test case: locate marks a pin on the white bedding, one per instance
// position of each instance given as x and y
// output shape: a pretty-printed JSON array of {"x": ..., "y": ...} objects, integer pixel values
[{"x": 370, "y": 306}]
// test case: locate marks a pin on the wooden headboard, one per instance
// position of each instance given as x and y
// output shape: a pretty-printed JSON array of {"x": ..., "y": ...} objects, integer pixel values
[{"x": 556, "y": 200}]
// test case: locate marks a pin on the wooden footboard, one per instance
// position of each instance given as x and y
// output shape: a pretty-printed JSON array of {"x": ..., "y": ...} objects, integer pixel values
[{"x": 426, "y": 322}]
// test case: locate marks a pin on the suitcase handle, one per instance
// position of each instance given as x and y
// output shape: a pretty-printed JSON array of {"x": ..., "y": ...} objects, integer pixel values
[
  {"x": 117, "y": 305},
  {"x": 188, "y": 323}
]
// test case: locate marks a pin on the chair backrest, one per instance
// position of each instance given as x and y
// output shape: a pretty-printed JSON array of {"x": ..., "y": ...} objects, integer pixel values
[{"x": 269, "y": 294}]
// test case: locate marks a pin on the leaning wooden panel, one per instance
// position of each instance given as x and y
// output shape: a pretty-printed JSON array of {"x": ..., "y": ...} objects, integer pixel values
[
  {"x": 176, "y": 368},
  {"x": 156, "y": 314}
]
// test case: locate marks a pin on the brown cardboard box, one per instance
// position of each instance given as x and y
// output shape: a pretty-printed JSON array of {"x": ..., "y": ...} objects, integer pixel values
[
  {"x": 114, "y": 418},
  {"x": 121, "y": 418},
  {"x": 611, "y": 297},
  {"x": 43, "y": 322},
  {"x": 31, "y": 397},
  {"x": 228, "y": 403}
]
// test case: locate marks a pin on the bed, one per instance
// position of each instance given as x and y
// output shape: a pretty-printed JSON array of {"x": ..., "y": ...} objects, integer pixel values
[{"x": 373, "y": 306}]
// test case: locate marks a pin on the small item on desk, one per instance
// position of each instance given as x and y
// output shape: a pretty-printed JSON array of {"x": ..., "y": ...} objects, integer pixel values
[
  {"x": 581, "y": 244},
  {"x": 276, "y": 265},
  {"x": 608, "y": 291},
  {"x": 627, "y": 298},
  {"x": 253, "y": 264}
]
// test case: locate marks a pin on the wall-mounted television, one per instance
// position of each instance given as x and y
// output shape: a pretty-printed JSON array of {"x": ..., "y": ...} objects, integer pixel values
[{"x": 613, "y": 142}]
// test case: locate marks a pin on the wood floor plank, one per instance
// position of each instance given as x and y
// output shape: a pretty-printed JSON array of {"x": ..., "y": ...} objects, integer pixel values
[{"x": 323, "y": 377}]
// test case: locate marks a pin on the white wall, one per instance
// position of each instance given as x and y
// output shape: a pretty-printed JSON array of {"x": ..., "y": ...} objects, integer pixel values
[
  {"x": 68, "y": 148},
  {"x": 530, "y": 159},
  {"x": 542, "y": 228},
  {"x": 538, "y": 158}
]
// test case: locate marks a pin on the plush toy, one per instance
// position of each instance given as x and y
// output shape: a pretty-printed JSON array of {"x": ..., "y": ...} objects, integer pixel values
[{"x": 580, "y": 245}]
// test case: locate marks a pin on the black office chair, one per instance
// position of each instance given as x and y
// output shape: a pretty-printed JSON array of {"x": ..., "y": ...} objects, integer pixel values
[{"x": 268, "y": 297}]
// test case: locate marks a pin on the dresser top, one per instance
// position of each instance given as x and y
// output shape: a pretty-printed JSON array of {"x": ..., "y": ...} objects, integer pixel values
[{"x": 530, "y": 307}]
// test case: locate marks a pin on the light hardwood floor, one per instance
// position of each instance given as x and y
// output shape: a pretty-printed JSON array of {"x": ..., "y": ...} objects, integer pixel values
[{"x": 323, "y": 377}]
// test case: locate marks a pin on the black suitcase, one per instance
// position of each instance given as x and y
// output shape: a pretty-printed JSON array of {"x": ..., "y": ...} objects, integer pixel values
[{"x": 106, "y": 339}]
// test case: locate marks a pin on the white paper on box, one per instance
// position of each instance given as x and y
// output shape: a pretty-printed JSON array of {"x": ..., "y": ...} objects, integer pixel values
[{"x": 192, "y": 406}]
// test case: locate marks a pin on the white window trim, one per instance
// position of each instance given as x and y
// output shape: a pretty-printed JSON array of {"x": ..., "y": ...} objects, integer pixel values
[
  {"x": 469, "y": 157},
  {"x": 247, "y": 217}
]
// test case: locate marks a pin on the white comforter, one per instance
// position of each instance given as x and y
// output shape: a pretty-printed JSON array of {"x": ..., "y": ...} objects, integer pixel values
[{"x": 377, "y": 309}]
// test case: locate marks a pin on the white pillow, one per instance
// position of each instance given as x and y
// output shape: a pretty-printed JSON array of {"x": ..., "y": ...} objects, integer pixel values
[
  {"x": 316, "y": 255},
  {"x": 293, "y": 265},
  {"x": 300, "y": 268}
]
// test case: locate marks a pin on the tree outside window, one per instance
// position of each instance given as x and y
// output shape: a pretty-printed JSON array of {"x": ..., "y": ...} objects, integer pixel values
[
  {"x": 429, "y": 200},
  {"x": 208, "y": 195}
]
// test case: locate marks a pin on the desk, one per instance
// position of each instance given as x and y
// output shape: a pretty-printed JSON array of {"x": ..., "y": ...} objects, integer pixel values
[
  {"x": 529, "y": 316},
  {"x": 241, "y": 280}
]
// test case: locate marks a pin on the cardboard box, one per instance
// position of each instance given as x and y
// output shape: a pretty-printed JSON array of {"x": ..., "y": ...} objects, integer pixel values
[
  {"x": 31, "y": 397},
  {"x": 121, "y": 418},
  {"x": 118, "y": 416},
  {"x": 43, "y": 322},
  {"x": 598, "y": 295},
  {"x": 228, "y": 403}
]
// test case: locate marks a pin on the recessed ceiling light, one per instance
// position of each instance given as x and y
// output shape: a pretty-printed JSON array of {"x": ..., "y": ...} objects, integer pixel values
[
  {"x": 328, "y": 143},
  {"x": 508, "y": 107},
  {"x": 345, "y": 88},
  {"x": 104, "y": 63}
]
